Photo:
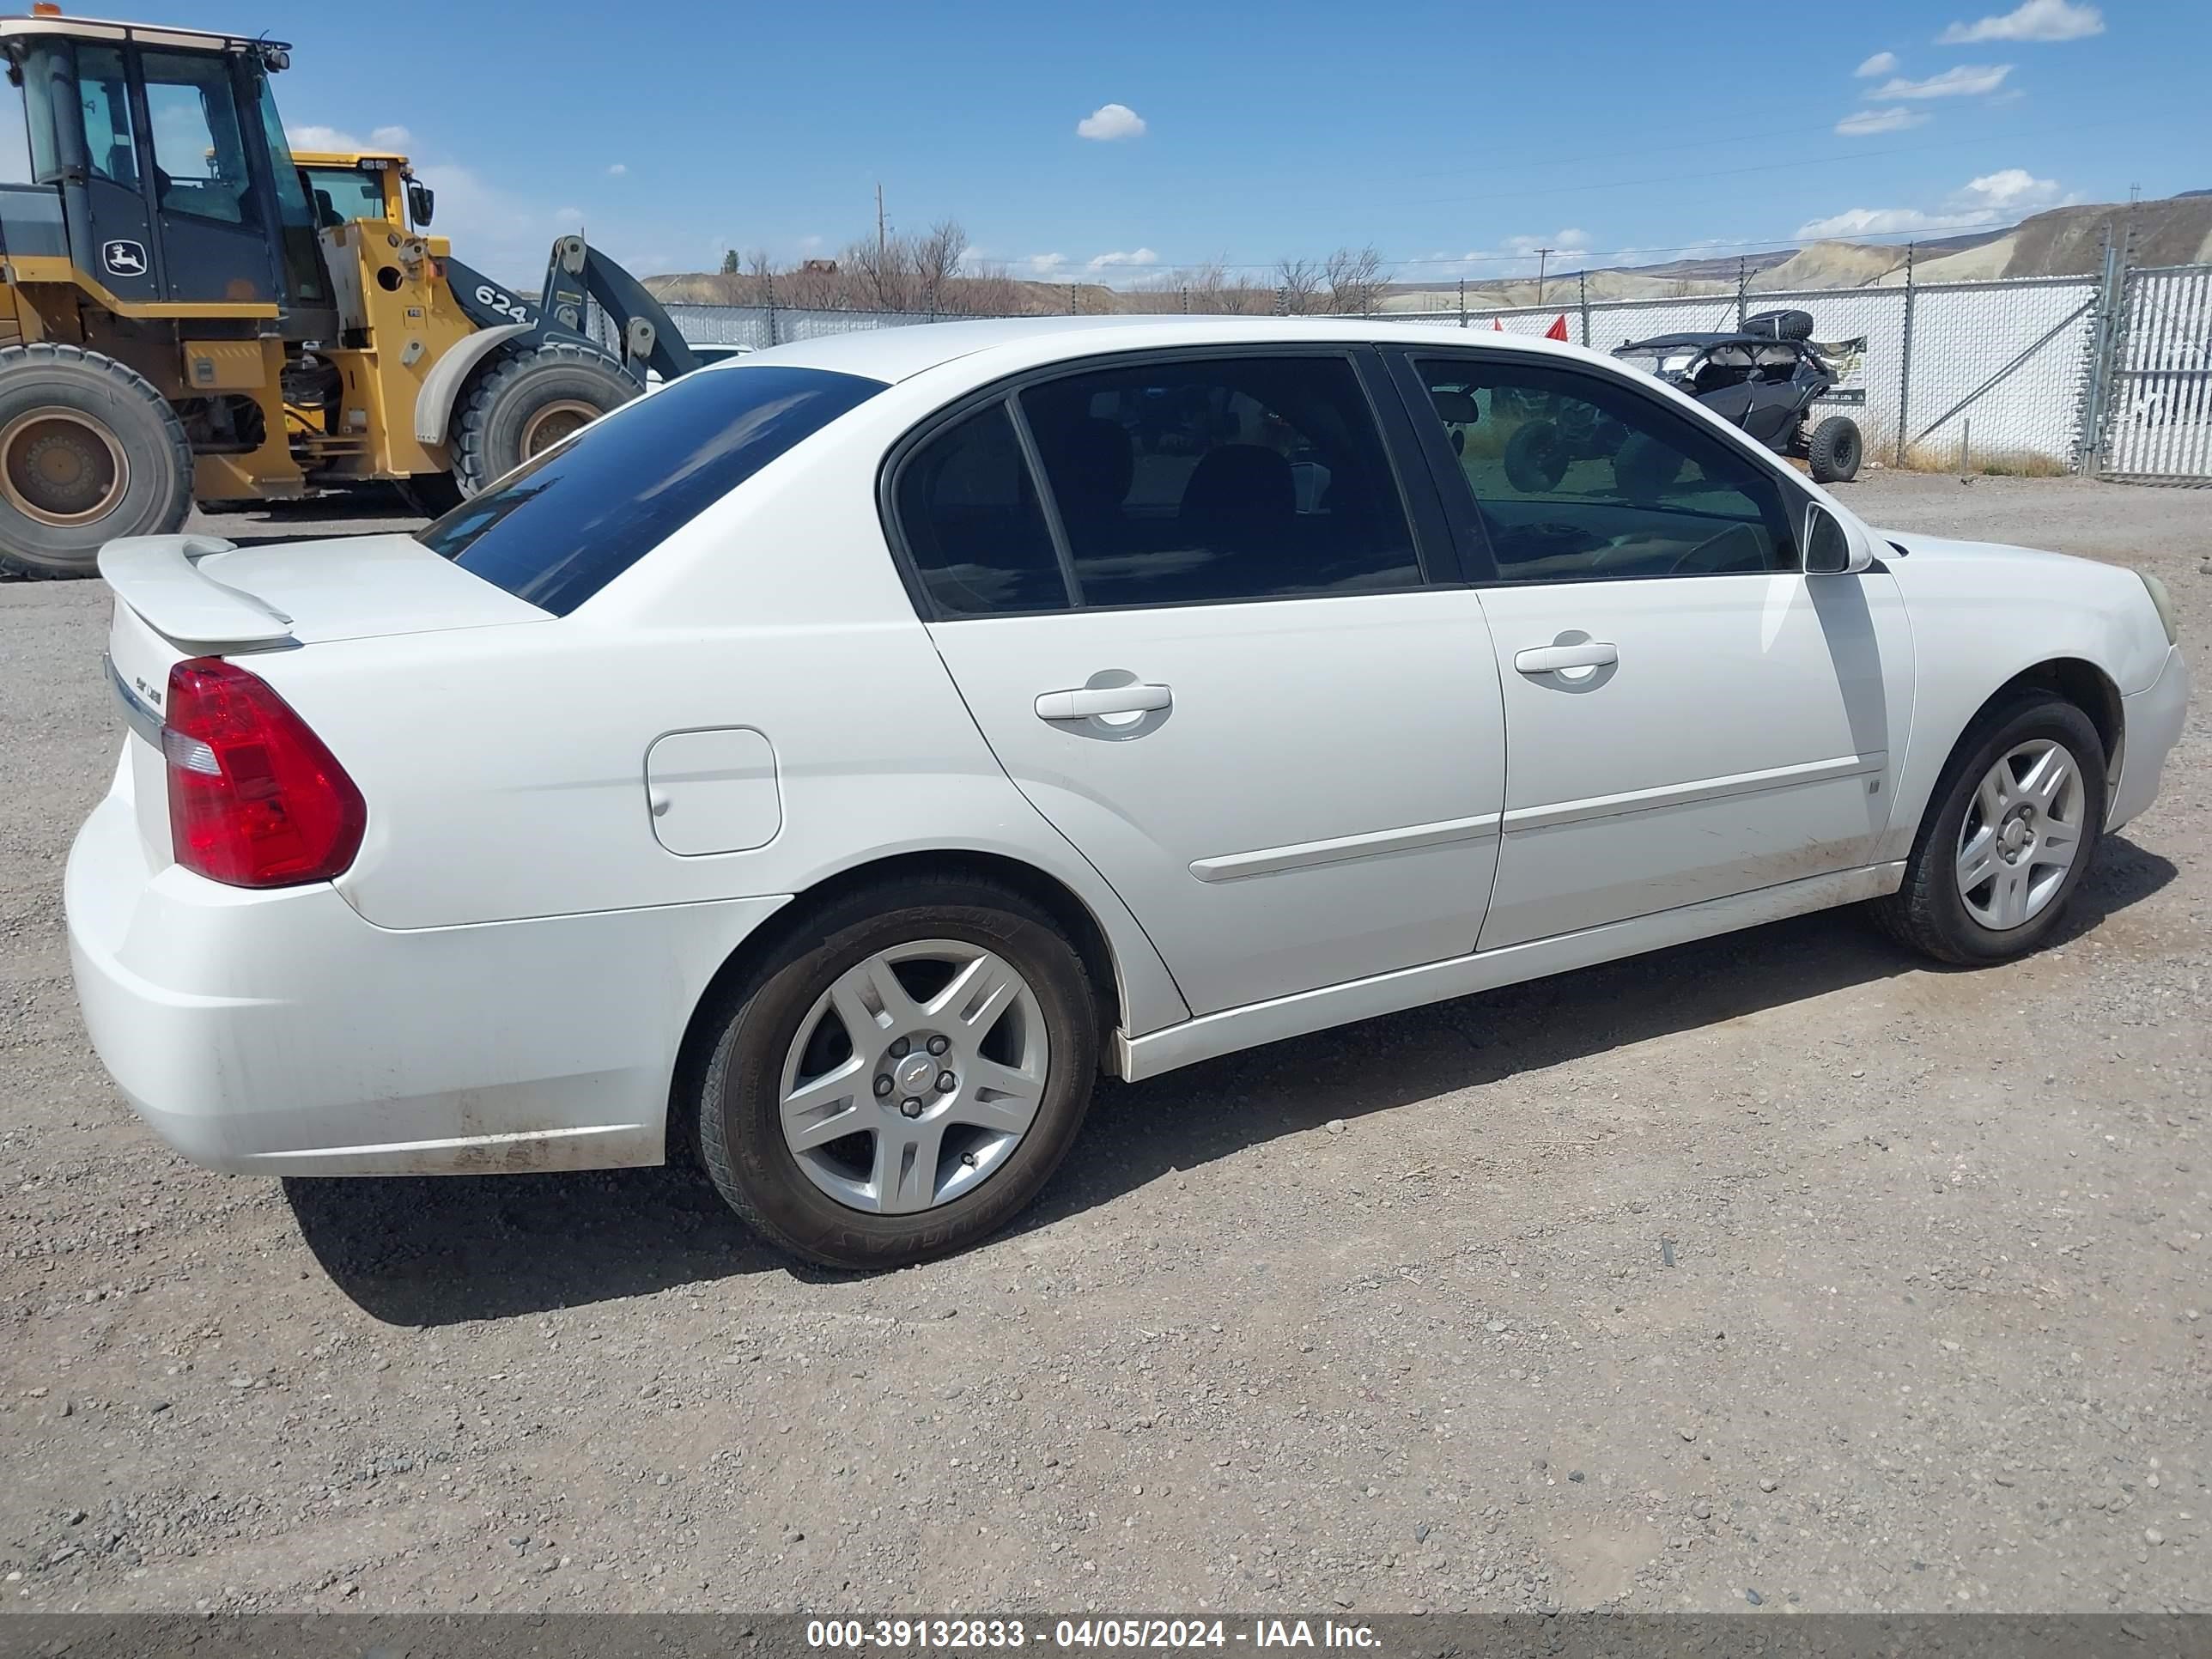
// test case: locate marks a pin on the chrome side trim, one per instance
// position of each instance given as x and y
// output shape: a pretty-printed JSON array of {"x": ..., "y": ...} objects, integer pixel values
[
  {"x": 143, "y": 718},
  {"x": 1685, "y": 795},
  {"x": 1234, "y": 866}
]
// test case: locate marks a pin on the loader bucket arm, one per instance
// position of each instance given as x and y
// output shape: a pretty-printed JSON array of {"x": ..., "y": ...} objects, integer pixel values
[{"x": 577, "y": 271}]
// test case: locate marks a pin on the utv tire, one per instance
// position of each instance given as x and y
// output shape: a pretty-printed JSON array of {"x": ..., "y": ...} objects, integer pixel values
[
  {"x": 1643, "y": 468},
  {"x": 1935, "y": 911},
  {"x": 88, "y": 451},
  {"x": 1536, "y": 460},
  {"x": 1780, "y": 324},
  {"x": 1834, "y": 450},
  {"x": 527, "y": 401},
  {"x": 769, "y": 1130}
]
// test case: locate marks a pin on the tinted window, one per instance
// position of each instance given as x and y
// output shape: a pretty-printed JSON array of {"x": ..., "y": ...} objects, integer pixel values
[
  {"x": 561, "y": 527},
  {"x": 192, "y": 111},
  {"x": 1577, "y": 477},
  {"x": 105, "y": 96},
  {"x": 344, "y": 193},
  {"x": 968, "y": 507},
  {"x": 1221, "y": 478}
]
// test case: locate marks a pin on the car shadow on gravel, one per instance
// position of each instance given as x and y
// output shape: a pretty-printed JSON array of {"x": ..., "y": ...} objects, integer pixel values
[{"x": 443, "y": 1250}]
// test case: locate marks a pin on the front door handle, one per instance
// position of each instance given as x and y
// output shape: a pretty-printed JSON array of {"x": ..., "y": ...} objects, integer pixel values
[
  {"x": 1550, "y": 658},
  {"x": 1092, "y": 699}
]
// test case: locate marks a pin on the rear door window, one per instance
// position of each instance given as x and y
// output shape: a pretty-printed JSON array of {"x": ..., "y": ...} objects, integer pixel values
[
  {"x": 1221, "y": 478},
  {"x": 563, "y": 526}
]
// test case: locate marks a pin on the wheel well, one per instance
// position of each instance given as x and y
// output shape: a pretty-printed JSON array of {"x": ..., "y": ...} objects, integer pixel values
[
  {"x": 2088, "y": 687},
  {"x": 1047, "y": 893}
]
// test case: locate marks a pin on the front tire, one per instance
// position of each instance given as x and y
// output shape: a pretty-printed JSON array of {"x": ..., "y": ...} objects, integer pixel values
[
  {"x": 89, "y": 450},
  {"x": 2011, "y": 830},
  {"x": 528, "y": 401},
  {"x": 903, "y": 1075}
]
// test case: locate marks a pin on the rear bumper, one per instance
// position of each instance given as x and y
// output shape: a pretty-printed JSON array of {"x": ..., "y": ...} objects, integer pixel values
[
  {"x": 2153, "y": 726},
  {"x": 279, "y": 1032}
]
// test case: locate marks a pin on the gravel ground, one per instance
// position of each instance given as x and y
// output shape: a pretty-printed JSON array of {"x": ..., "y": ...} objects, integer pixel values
[{"x": 1779, "y": 1270}]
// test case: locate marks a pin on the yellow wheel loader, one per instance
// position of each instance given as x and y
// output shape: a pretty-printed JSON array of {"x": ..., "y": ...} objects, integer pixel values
[{"x": 182, "y": 320}]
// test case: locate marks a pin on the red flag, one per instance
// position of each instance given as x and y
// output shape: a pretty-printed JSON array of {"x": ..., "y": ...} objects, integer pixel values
[
  {"x": 1558, "y": 330},
  {"x": 1498, "y": 325}
]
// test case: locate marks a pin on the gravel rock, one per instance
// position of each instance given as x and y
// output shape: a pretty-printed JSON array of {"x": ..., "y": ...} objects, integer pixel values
[{"x": 447, "y": 1366}]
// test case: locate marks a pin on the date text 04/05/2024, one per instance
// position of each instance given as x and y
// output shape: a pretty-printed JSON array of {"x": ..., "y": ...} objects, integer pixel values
[{"x": 1091, "y": 1632}]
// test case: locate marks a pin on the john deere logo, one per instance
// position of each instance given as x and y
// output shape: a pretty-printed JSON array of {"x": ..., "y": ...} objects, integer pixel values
[{"x": 124, "y": 258}]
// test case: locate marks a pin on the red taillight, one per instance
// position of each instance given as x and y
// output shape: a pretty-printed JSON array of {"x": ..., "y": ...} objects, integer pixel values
[{"x": 255, "y": 800}]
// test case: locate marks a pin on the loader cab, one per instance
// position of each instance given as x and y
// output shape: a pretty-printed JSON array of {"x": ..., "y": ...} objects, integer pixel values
[
  {"x": 176, "y": 187},
  {"x": 344, "y": 185}
]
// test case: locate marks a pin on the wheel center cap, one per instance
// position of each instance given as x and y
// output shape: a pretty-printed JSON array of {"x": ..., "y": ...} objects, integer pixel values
[{"x": 915, "y": 1074}]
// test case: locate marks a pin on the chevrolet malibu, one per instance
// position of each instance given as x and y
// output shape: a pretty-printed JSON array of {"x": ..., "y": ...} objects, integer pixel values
[{"x": 827, "y": 765}]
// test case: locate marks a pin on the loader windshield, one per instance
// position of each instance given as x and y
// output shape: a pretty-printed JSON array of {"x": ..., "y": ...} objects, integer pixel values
[{"x": 563, "y": 525}]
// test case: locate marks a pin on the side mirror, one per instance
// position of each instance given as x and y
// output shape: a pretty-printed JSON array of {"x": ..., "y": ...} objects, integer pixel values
[
  {"x": 1831, "y": 550},
  {"x": 421, "y": 200}
]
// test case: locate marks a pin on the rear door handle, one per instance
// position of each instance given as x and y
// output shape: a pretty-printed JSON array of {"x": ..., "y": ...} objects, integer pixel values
[
  {"x": 1092, "y": 699},
  {"x": 1550, "y": 658}
]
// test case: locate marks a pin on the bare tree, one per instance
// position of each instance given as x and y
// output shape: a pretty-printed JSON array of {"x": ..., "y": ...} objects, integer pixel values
[
  {"x": 1355, "y": 278},
  {"x": 935, "y": 260},
  {"x": 1299, "y": 283}
]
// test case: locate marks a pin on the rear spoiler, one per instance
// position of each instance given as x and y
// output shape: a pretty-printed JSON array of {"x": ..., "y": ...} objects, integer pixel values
[{"x": 160, "y": 578}]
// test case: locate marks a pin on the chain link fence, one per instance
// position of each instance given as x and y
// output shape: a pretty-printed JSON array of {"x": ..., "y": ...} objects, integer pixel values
[{"x": 2109, "y": 373}]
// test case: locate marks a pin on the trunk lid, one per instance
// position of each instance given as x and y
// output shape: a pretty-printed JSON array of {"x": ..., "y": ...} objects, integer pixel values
[{"x": 177, "y": 596}]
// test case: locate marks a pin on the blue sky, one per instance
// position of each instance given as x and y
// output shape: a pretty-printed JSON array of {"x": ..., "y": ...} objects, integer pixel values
[{"x": 1452, "y": 138}]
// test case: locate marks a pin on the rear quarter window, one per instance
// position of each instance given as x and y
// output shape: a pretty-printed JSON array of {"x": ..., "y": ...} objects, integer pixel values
[{"x": 561, "y": 527}]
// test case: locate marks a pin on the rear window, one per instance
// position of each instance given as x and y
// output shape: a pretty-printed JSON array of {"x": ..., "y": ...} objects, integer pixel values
[{"x": 559, "y": 528}]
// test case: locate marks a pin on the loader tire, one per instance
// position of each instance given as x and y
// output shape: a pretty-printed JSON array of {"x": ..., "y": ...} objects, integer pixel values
[
  {"x": 88, "y": 451},
  {"x": 527, "y": 401}
]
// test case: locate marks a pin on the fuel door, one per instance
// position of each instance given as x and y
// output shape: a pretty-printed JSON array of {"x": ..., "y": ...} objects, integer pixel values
[{"x": 712, "y": 791}]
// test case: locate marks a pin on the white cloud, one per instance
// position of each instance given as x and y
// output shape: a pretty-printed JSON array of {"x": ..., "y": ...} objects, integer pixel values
[
  {"x": 392, "y": 138},
  {"x": 1870, "y": 221},
  {"x": 1995, "y": 199},
  {"x": 2037, "y": 19},
  {"x": 1882, "y": 63},
  {"x": 1111, "y": 121},
  {"x": 1860, "y": 122},
  {"x": 1966, "y": 81},
  {"x": 1046, "y": 264},
  {"x": 618, "y": 169},
  {"x": 313, "y": 136},
  {"x": 2010, "y": 190},
  {"x": 567, "y": 216},
  {"x": 1142, "y": 256}
]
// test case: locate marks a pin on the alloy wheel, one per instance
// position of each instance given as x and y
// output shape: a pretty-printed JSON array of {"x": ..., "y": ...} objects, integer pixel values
[
  {"x": 2021, "y": 835},
  {"x": 913, "y": 1078}
]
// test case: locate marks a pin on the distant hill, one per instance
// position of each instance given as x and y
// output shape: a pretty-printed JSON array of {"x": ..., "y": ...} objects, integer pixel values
[{"x": 2066, "y": 241}]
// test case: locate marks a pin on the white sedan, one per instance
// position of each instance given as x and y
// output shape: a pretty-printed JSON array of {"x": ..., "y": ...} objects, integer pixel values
[{"x": 827, "y": 765}]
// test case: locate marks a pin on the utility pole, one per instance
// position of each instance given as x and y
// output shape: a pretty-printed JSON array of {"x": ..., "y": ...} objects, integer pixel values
[{"x": 1542, "y": 255}]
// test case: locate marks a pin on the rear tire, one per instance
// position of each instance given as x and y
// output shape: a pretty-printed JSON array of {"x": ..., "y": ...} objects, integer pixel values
[
  {"x": 1536, "y": 460},
  {"x": 1834, "y": 450},
  {"x": 1643, "y": 468},
  {"x": 527, "y": 401},
  {"x": 88, "y": 451},
  {"x": 1935, "y": 912},
  {"x": 852, "y": 1204}
]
